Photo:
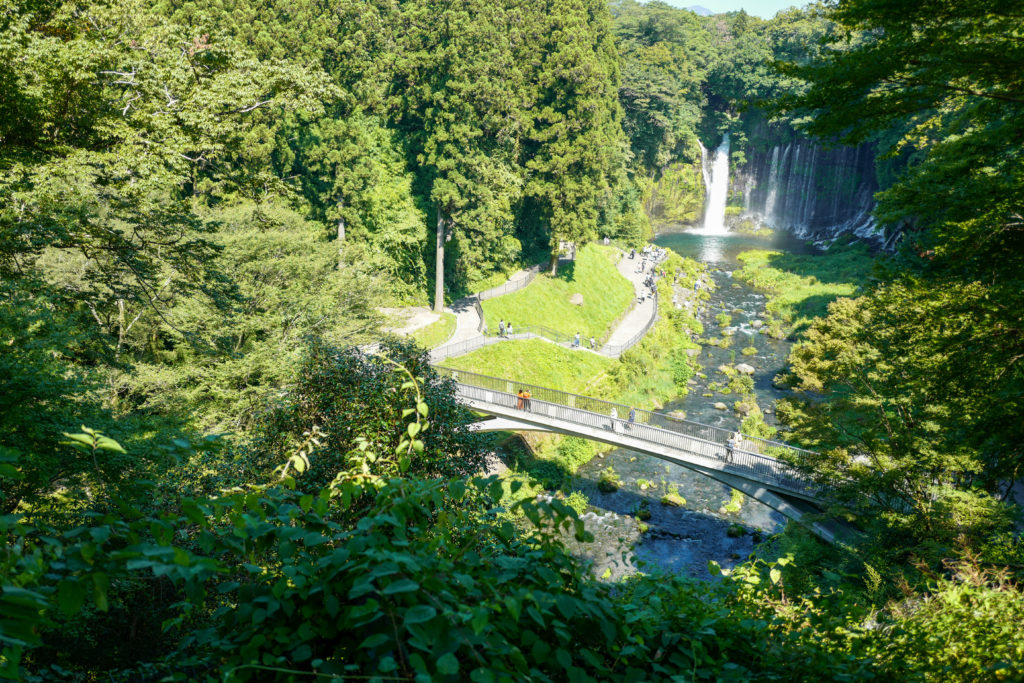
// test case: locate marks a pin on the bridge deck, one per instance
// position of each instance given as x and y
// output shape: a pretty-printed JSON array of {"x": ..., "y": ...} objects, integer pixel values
[{"x": 690, "y": 444}]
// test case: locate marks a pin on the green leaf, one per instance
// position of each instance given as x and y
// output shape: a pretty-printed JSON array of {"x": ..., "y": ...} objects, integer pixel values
[
  {"x": 422, "y": 408},
  {"x": 105, "y": 443},
  {"x": 447, "y": 664},
  {"x": 400, "y": 586},
  {"x": 373, "y": 641},
  {"x": 775, "y": 575},
  {"x": 100, "y": 584},
  {"x": 479, "y": 622},
  {"x": 70, "y": 596},
  {"x": 419, "y": 614}
]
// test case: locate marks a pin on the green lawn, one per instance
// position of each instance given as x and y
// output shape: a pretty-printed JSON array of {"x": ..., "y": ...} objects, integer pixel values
[
  {"x": 535, "y": 361},
  {"x": 800, "y": 286},
  {"x": 606, "y": 294},
  {"x": 436, "y": 332}
]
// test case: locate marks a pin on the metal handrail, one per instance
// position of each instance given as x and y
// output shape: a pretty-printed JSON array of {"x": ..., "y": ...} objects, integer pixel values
[
  {"x": 660, "y": 428},
  {"x": 536, "y": 331},
  {"x": 511, "y": 286},
  {"x": 616, "y": 350}
]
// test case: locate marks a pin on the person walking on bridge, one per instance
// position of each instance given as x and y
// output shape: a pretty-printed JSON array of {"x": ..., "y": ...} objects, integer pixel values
[
  {"x": 615, "y": 420},
  {"x": 731, "y": 445},
  {"x": 520, "y": 399},
  {"x": 526, "y": 400},
  {"x": 632, "y": 418}
]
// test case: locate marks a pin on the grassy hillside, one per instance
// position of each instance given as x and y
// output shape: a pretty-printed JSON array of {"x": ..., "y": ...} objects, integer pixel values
[
  {"x": 801, "y": 286},
  {"x": 535, "y": 361},
  {"x": 606, "y": 294},
  {"x": 437, "y": 332}
]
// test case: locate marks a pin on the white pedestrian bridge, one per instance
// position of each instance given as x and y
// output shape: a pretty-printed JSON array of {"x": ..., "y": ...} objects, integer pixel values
[{"x": 758, "y": 467}]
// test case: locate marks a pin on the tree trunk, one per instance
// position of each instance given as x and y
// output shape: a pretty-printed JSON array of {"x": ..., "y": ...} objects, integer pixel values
[
  {"x": 120, "y": 325},
  {"x": 341, "y": 230},
  {"x": 554, "y": 261},
  {"x": 439, "y": 265}
]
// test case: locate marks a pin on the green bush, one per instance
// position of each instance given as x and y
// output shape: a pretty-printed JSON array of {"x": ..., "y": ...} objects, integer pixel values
[
  {"x": 574, "y": 451},
  {"x": 742, "y": 385},
  {"x": 608, "y": 481},
  {"x": 577, "y": 500}
]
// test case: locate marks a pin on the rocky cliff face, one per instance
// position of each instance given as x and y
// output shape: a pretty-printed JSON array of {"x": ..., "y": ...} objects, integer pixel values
[{"x": 810, "y": 190}]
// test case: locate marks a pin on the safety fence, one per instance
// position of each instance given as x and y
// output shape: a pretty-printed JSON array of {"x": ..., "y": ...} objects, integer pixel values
[
  {"x": 511, "y": 285},
  {"x": 752, "y": 457},
  {"x": 616, "y": 350}
]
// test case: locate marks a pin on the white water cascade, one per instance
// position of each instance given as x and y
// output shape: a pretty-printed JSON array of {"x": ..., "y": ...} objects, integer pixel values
[{"x": 717, "y": 182}]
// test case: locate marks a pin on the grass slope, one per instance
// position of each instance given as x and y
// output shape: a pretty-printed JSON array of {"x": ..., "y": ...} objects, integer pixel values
[
  {"x": 436, "y": 332},
  {"x": 535, "y": 361},
  {"x": 801, "y": 286},
  {"x": 606, "y": 294}
]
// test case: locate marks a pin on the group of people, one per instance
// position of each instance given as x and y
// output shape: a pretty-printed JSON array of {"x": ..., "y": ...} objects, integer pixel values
[
  {"x": 576, "y": 342},
  {"x": 655, "y": 255},
  {"x": 630, "y": 421},
  {"x": 523, "y": 399},
  {"x": 505, "y": 328}
]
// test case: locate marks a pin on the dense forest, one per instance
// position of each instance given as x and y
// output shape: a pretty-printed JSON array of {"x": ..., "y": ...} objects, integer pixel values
[{"x": 204, "y": 205}]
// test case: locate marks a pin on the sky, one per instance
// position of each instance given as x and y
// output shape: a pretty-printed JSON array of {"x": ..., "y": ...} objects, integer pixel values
[{"x": 765, "y": 9}]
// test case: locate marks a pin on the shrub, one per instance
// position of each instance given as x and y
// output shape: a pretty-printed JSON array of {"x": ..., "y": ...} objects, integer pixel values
[
  {"x": 577, "y": 500},
  {"x": 672, "y": 498},
  {"x": 609, "y": 481},
  {"x": 742, "y": 385}
]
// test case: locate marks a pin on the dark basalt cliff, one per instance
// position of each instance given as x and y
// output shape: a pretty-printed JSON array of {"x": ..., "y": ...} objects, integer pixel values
[{"x": 808, "y": 189}]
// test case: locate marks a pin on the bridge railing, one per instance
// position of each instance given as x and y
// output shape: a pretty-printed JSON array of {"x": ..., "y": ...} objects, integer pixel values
[{"x": 752, "y": 455}]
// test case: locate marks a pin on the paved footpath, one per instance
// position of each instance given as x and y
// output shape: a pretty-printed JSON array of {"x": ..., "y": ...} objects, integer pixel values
[
  {"x": 468, "y": 320},
  {"x": 641, "y": 313}
]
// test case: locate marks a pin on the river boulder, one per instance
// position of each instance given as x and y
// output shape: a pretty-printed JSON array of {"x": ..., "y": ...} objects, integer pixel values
[
  {"x": 721, "y": 406},
  {"x": 745, "y": 369}
]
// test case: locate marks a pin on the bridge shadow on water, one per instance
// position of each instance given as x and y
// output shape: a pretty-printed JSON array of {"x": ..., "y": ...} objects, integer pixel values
[{"x": 679, "y": 540}]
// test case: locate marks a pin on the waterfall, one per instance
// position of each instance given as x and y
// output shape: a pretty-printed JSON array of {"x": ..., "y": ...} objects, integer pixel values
[
  {"x": 717, "y": 181},
  {"x": 808, "y": 189},
  {"x": 773, "y": 185}
]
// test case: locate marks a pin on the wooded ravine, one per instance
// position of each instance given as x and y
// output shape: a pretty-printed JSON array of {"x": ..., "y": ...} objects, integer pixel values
[{"x": 219, "y": 462}]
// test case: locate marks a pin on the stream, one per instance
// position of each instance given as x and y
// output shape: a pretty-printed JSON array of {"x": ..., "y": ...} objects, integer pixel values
[{"x": 681, "y": 540}]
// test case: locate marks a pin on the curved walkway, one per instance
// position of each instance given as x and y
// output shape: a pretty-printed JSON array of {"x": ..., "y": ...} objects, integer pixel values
[
  {"x": 642, "y": 314},
  {"x": 633, "y": 326}
]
